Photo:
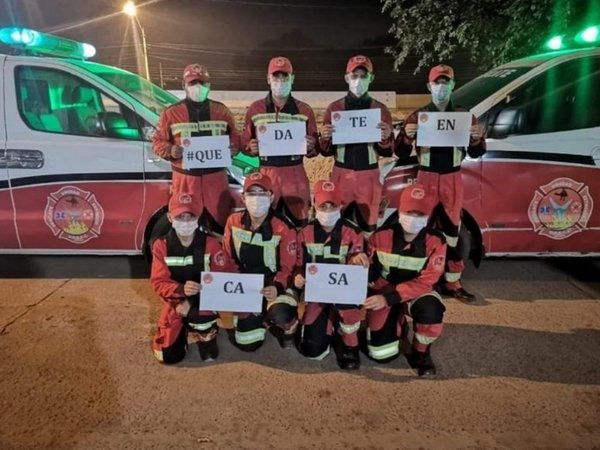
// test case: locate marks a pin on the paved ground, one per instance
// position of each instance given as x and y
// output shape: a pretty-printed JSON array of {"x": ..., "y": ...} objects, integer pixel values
[{"x": 520, "y": 369}]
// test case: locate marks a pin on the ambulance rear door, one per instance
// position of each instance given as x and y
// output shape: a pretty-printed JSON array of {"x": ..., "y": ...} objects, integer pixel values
[
  {"x": 8, "y": 235},
  {"x": 80, "y": 188}
]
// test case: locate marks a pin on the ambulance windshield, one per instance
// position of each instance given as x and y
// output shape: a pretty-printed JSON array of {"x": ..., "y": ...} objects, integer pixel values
[
  {"x": 477, "y": 90},
  {"x": 153, "y": 97}
]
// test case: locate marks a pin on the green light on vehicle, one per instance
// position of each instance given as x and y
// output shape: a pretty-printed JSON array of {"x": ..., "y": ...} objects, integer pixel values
[
  {"x": 45, "y": 44},
  {"x": 556, "y": 43},
  {"x": 589, "y": 35}
]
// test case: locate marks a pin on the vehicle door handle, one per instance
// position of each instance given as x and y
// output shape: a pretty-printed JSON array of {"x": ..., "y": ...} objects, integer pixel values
[
  {"x": 22, "y": 159},
  {"x": 156, "y": 159}
]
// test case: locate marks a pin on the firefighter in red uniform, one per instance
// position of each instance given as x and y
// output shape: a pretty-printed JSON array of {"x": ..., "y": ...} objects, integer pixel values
[
  {"x": 290, "y": 184},
  {"x": 178, "y": 259},
  {"x": 356, "y": 170},
  {"x": 261, "y": 241},
  {"x": 407, "y": 259},
  {"x": 197, "y": 115},
  {"x": 439, "y": 172},
  {"x": 330, "y": 239}
]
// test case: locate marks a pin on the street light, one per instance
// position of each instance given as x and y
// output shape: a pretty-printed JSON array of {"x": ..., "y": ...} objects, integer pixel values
[{"x": 131, "y": 10}]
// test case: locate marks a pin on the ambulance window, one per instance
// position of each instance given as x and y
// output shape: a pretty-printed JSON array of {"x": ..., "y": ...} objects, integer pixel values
[
  {"x": 563, "y": 98},
  {"x": 58, "y": 102}
]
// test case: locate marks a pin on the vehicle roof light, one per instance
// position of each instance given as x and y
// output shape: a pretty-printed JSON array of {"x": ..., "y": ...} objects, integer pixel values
[
  {"x": 555, "y": 43},
  {"x": 36, "y": 43},
  {"x": 589, "y": 35}
]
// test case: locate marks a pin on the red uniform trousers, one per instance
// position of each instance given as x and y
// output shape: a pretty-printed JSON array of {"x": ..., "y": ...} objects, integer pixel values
[
  {"x": 362, "y": 187},
  {"x": 447, "y": 192},
  {"x": 212, "y": 193},
  {"x": 318, "y": 326},
  {"x": 291, "y": 191},
  {"x": 170, "y": 341},
  {"x": 385, "y": 326}
]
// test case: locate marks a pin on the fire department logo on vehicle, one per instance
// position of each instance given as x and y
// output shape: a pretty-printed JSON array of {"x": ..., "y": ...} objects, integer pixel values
[
  {"x": 74, "y": 215},
  {"x": 560, "y": 208},
  {"x": 312, "y": 269},
  {"x": 336, "y": 116},
  {"x": 207, "y": 278}
]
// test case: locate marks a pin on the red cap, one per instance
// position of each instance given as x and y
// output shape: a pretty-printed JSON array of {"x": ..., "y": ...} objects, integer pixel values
[
  {"x": 258, "y": 179},
  {"x": 327, "y": 191},
  {"x": 196, "y": 72},
  {"x": 181, "y": 203},
  {"x": 280, "y": 64},
  {"x": 441, "y": 70},
  {"x": 359, "y": 61},
  {"x": 415, "y": 198}
]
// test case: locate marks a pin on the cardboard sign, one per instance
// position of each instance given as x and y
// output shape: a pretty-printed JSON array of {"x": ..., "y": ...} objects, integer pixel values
[
  {"x": 336, "y": 283},
  {"x": 444, "y": 129},
  {"x": 233, "y": 292},
  {"x": 206, "y": 152},
  {"x": 355, "y": 127},
  {"x": 282, "y": 139}
]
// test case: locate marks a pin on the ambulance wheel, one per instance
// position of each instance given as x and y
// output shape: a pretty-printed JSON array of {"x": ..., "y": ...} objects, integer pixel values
[{"x": 159, "y": 226}]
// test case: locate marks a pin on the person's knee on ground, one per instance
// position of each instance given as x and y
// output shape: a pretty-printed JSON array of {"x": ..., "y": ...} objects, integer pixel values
[
  {"x": 382, "y": 334},
  {"x": 249, "y": 332},
  {"x": 173, "y": 353},
  {"x": 315, "y": 333},
  {"x": 428, "y": 315}
]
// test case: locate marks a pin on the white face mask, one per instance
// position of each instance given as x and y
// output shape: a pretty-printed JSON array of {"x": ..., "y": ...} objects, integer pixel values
[
  {"x": 440, "y": 93},
  {"x": 258, "y": 206},
  {"x": 328, "y": 219},
  {"x": 359, "y": 87},
  {"x": 281, "y": 88},
  {"x": 412, "y": 224},
  {"x": 185, "y": 227},
  {"x": 197, "y": 92}
]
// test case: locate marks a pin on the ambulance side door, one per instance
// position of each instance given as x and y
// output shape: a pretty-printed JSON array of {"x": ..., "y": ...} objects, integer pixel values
[
  {"x": 8, "y": 235},
  {"x": 540, "y": 181},
  {"x": 81, "y": 189}
]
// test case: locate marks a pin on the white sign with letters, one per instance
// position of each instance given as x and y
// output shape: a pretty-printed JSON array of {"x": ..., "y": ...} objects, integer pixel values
[
  {"x": 444, "y": 129},
  {"x": 206, "y": 152},
  {"x": 282, "y": 139},
  {"x": 355, "y": 127},
  {"x": 233, "y": 292},
  {"x": 336, "y": 283}
]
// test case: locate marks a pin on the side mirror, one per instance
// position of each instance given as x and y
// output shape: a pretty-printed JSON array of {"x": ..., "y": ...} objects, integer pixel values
[
  {"x": 508, "y": 121},
  {"x": 114, "y": 125}
]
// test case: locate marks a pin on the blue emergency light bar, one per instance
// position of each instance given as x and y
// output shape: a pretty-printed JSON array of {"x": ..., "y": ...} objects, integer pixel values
[{"x": 36, "y": 43}]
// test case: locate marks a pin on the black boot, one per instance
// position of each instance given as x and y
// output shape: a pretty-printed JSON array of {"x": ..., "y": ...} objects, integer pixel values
[
  {"x": 422, "y": 363},
  {"x": 209, "y": 351},
  {"x": 459, "y": 294},
  {"x": 348, "y": 358}
]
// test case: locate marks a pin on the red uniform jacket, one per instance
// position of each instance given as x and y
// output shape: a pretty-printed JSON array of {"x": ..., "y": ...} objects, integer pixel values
[
  {"x": 441, "y": 159},
  {"x": 173, "y": 264},
  {"x": 264, "y": 111},
  {"x": 270, "y": 250},
  {"x": 357, "y": 156},
  {"x": 403, "y": 271},
  {"x": 315, "y": 245},
  {"x": 189, "y": 119}
]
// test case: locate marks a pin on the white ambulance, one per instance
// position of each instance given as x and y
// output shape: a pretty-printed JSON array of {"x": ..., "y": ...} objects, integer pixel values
[
  {"x": 77, "y": 171},
  {"x": 536, "y": 192}
]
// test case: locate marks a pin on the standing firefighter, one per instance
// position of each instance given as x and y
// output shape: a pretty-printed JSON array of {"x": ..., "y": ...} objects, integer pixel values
[
  {"x": 407, "y": 260},
  {"x": 330, "y": 239},
  {"x": 260, "y": 241},
  {"x": 197, "y": 115},
  {"x": 439, "y": 172},
  {"x": 356, "y": 170},
  {"x": 178, "y": 259},
  {"x": 290, "y": 184}
]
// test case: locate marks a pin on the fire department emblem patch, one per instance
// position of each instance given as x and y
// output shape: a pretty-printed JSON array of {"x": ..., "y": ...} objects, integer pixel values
[
  {"x": 312, "y": 269},
  {"x": 186, "y": 142},
  {"x": 328, "y": 186},
  {"x": 336, "y": 116},
  {"x": 207, "y": 278},
  {"x": 262, "y": 129},
  {"x": 74, "y": 215},
  {"x": 423, "y": 117},
  {"x": 560, "y": 208},
  {"x": 418, "y": 193}
]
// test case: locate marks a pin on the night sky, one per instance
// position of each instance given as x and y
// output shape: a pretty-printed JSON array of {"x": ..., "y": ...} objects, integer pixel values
[{"x": 234, "y": 38}]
